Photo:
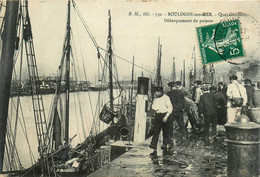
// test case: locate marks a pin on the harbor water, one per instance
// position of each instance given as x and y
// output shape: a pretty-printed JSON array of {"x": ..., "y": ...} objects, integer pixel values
[{"x": 83, "y": 108}]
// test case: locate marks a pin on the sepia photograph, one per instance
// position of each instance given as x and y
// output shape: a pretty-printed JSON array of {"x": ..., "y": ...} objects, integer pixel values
[{"x": 129, "y": 88}]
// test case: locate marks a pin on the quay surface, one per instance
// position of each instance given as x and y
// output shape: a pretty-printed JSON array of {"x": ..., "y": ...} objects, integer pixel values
[{"x": 192, "y": 156}]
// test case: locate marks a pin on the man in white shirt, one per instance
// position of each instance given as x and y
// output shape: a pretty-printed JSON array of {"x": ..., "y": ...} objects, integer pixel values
[
  {"x": 235, "y": 90},
  {"x": 163, "y": 108}
]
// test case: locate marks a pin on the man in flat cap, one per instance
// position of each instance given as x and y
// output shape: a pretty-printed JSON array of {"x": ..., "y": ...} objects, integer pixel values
[
  {"x": 163, "y": 108},
  {"x": 171, "y": 85},
  {"x": 182, "y": 89}
]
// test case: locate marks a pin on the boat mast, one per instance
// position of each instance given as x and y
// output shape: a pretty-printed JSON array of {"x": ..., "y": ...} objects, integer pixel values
[
  {"x": 173, "y": 70},
  {"x": 132, "y": 82},
  {"x": 212, "y": 73},
  {"x": 6, "y": 69},
  {"x": 192, "y": 75},
  {"x": 204, "y": 73},
  {"x": 159, "y": 77},
  {"x": 67, "y": 76},
  {"x": 110, "y": 53},
  {"x": 194, "y": 57},
  {"x": 184, "y": 77},
  {"x": 181, "y": 76}
]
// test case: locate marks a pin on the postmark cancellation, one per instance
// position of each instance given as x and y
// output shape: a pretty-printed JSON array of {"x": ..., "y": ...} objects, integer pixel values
[{"x": 221, "y": 41}]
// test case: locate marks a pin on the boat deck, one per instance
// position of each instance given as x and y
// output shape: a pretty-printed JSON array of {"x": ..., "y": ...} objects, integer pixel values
[{"x": 190, "y": 157}]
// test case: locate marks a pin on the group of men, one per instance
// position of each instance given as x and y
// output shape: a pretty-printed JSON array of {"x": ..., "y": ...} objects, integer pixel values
[
  {"x": 169, "y": 107},
  {"x": 205, "y": 106}
]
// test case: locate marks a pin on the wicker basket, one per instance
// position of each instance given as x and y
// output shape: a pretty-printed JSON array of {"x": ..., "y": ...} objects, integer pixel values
[{"x": 106, "y": 114}]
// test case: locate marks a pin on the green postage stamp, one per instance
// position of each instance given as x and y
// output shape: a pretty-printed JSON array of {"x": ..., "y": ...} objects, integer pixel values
[{"x": 221, "y": 41}]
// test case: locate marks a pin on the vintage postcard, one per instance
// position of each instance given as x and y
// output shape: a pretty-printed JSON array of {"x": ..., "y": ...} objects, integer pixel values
[{"x": 79, "y": 80}]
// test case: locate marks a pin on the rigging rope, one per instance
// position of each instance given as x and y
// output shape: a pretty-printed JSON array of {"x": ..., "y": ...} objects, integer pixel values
[
  {"x": 94, "y": 129},
  {"x": 8, "y": 163},
  {"x": 85, "y": 74},
  {"x": 83, "y": 65},
  {"x": 56, "y": 97},
  {"x": 112, "y": 73},
  {"x": 3, "y": 18},
  {"x": 24, "y": 129},
  {"x": 115, "y": 64},
  {"x": 18, "y": 98},
  {"x": 88, "y": 30},
  {"x": 85, "y": 25},
  {"x": 14, "y": 157},
  {"x": 8, "y": 144},
  {"x": 75, "y": 62},
  {"x": 140, "y": 67},
  {"x": 98, "y": 47},
  {"x": 77, "y": 118},
  {"x": 12, "y": 147},
  {"x": 38, "y": 106},
  {"x": 81, "y": 115}
]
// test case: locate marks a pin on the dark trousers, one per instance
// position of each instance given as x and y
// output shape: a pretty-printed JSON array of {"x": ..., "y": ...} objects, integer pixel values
[
  {"x": 222, "y": 115},
  {"x": 169, "y": 130},
  {"x": 179, "y": 119},
  {"x": 210, "y": 119},
  {"x": 158, "y": 124}
]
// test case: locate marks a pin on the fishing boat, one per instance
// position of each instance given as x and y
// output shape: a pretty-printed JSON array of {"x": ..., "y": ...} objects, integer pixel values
[
  {"x": 56, "y": 155},
  {"x": 98, "y": 87}
]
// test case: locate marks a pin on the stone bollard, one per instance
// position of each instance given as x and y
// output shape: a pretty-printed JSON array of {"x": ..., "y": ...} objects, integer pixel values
[{"x": 243, "y": 147}]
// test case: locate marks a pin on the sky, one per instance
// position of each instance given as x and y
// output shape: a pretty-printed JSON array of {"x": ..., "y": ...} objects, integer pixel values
[{"x": 135, "y": 35}]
